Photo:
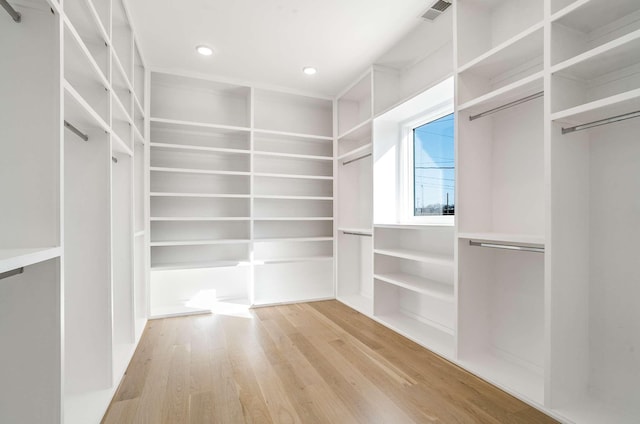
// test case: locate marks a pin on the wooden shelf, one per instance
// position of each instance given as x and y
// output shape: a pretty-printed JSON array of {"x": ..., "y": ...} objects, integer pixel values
[
  {"x": 293, "y": 134},
  {"x": 417, "y": 255},
  {"x": 289, "y": 239},
  {"x": 292, "y": 155},
  {"x": 167, "y": 146},
  {"x": 201, "y": 265},
  {"x": 277, "y": 197},
  {"x": 137, "y": 135},
  {"x": 354, "y": 106},
  {"x": 199, "y": 218},
  {"x": 96, "y": 70},
  {"x": 120, "y": 68},
  {"x": 407, "y": 226},
  {"x": 291, "y": 259},
  {"x": 79, "y": 113},
  {"x": 588, "y": 15},
  {"x": 522, "y": 48},
  {"x": 119, "y": 145},
  {"x": 297, "y": 176},
  {"x": 197, "y": 171},
  {"x": 434, "y": 339},
  {"x": 367, "y": 148},
  {"x": 197, "y": 124},
  {"x": 517, "y": 90},
  {"x": 618, "y": 104},
  {"x": 11, "y": 259},
  {"x": 609, "y": 57},
  {"x": 294, "y": 218},
  {"x": 198, "y": 242},
  {"x": 417, "y": 284},
  {"x": 359, "y": 132},
  {"x": 221, "y": 196}
]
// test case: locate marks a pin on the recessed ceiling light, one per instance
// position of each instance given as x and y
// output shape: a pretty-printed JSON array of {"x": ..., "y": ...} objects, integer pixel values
[
  {"x": 204, "y": 50},
  {"x": 309, "y": 70}
]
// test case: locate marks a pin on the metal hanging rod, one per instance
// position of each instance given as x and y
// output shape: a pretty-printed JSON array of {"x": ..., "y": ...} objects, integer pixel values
[
  {"x": 11, "y": 273},
  {"x": 507, "y": 106},
  {"x": 507, "y": 246},
  {"x": 114, "y": 160},
  {"x": 353, "y": 233},
  {"x": 356, "y": 159},
  {"x": 593, "y": 124},
  {"x": 75, "y": 130},
  {"x": 11, "y": 11}
]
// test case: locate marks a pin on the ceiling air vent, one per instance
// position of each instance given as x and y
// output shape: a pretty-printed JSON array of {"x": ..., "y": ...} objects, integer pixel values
[{"x": 436, "y": 10}]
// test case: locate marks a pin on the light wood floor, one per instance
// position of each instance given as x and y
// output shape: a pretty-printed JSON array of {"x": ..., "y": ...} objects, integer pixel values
[{"x": 308, "y": 363}]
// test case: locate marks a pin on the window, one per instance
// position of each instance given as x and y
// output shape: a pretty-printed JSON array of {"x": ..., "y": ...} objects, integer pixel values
[{"x": 434, "y": 168}]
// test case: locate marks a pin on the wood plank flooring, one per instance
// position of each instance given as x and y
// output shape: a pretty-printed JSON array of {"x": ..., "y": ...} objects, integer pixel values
[{"x": 318, "y": 362}]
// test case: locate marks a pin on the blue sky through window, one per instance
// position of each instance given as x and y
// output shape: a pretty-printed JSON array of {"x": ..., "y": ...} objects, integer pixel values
[{"x": 434, "y": 171}]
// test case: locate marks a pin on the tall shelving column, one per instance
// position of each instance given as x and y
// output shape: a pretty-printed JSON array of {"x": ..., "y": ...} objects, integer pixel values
[
  {"x": 354, "y": 282},
  {"x": 413, "y": 262},
  {"x": 292, "y": 198},
  {"x": 30, "y": 217},
  {"x": 87, "y": 205},
  {"x": 594, "y": 280},
  {"x": 200, "y": 194},
  {"x": 501, "y": 198},
  {"x": 103, "y": 152}
]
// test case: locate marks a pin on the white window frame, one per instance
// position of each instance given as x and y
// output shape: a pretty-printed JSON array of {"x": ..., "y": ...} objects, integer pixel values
[{"x": 406, "y": 179}]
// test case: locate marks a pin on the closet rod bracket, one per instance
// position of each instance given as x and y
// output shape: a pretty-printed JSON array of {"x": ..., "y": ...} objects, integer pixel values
[
  {"x": 15, "y": 15},
  {"x": 74, "y": 130},
  {"x": 11, "y": 273}
]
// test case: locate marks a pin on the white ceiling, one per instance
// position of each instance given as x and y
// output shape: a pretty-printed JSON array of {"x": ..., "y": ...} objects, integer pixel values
[{"x": 267, "y": 42}]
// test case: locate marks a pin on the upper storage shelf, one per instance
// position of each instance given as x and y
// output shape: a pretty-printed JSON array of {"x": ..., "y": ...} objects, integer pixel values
[
  {"x": 355, "y": 106},
  {"x": 293, "y": 114},
  {"x": 587, "y": 24},
  {"x": 122, "y": 39},
  {"x": 506, "y": 65},
  {"x": 487, "y": 25},
  {"x": 197, "y": 100}
]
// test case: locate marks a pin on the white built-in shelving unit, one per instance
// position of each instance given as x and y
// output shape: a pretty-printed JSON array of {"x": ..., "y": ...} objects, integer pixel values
[
  {"x": 74, "y": 245},
  {"x": 130, "y": 193},
  {"x": 594, "y": 74},
  {"x": 400, "y": 275},
  {"x": 241, "y": 195},
  {"x": 534, "y": 288}
]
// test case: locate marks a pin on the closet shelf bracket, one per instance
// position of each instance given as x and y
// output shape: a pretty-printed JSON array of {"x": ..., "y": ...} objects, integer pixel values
[
  {"x": 606, "y": 121},
  {"x": 507, "y": 105},
  {"x": 11, "y": 11},
  {"x": 74, "y": 130},
  {"x": 507, "y": 246}
]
